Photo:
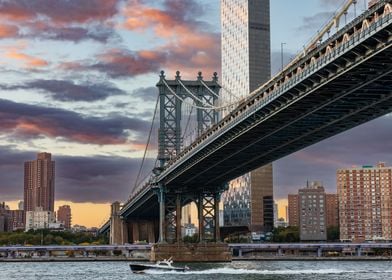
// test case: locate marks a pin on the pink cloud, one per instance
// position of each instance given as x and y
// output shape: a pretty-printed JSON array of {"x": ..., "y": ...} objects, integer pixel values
[{"x": 7, "y": 31}]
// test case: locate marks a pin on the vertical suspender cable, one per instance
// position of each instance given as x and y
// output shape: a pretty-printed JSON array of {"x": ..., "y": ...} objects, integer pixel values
[{"x": 147, "y": 144}]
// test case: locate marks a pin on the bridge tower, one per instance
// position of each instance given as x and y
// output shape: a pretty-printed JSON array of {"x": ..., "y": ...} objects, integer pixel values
[{"x": 173, "y": 95}]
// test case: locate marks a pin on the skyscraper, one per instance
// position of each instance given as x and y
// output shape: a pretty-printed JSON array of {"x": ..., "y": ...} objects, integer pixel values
[
  {"x": 64, "y": 216},
  {"x": 365, "y": 203},
  {"x": 39, "y": 183},
  {"x": 245, "y": 26}
]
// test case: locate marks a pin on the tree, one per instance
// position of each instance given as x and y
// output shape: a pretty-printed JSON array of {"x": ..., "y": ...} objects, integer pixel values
[
  {"x": 333, "y": 233},
  {"x": 283, "y": 235}
]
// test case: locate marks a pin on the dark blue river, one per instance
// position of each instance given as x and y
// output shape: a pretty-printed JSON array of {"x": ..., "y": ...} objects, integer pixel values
[{"x": 291, "y": 270}]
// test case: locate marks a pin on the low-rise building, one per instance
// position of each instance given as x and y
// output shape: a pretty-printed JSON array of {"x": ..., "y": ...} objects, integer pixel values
[{"x": 39, "y": 219}]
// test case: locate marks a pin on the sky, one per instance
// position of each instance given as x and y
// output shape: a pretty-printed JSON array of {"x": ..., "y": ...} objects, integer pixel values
[{"x": 78, "y": 80}]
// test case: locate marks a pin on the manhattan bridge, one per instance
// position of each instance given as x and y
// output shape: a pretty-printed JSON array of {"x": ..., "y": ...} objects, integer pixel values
[{"x": 337, "y": 82}]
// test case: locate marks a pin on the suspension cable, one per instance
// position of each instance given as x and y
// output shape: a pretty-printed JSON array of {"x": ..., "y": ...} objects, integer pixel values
[
  {"x": 196, "y": 106},
  {"x": 187, "y": 122},
  {"x": 191, "y": 93},
  {"x": 147, "y": 144}
]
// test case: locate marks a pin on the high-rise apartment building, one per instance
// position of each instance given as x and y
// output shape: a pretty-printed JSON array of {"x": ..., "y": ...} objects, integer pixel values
[
  {"x": 312, "y": 218},
  {"x": 245, "y": 29},
  {"x": 365, "y": 203},
  {"x": 64, "y": 216},
  {"x": 313, "y": 211},
  {"x": 332, "y": 210},
  {"x": 39, "y": 183},
  {"x": 293, "y": 210}
]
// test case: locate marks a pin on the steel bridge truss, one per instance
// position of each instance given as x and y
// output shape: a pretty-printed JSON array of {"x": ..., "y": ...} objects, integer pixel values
[{"x": 171, "y": 104}]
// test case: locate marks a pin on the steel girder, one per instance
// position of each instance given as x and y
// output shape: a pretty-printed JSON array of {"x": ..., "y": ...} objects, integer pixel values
[{"x": 355, "y": 88}]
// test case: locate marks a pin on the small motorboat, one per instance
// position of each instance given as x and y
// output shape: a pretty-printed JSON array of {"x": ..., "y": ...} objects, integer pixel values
[{"x": 165, "y": 265}]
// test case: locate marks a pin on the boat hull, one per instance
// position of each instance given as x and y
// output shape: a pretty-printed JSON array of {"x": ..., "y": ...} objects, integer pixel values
[{"x": 138, "y": 268}]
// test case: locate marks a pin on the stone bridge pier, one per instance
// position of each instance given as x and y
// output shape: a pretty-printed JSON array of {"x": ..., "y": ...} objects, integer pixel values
[{"x": 208, "y": 247}]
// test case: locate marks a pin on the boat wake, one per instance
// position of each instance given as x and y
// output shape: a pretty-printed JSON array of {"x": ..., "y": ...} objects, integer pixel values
[{"x": 228, "y": 270}]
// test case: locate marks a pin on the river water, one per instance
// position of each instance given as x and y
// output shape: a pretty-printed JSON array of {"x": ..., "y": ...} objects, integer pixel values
[{"x": 291, "y": 270}]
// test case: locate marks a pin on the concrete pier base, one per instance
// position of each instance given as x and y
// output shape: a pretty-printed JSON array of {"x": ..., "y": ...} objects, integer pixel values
[{"x": 198, "y": 252}]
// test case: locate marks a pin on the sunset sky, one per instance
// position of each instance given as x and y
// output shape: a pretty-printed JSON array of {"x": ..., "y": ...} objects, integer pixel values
[{"x": 78, "y": 80}]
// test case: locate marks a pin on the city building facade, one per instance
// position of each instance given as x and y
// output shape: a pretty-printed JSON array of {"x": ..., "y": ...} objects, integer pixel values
[
  {"x": 39, "y": 219},
  {"x": 365, "y": 203},
  {"x": 39, "y": 177},
  {"x": 64, "y": 216},
  {"x": 313, "y": 211},
  {"x": 332, "y": 209},
  {"x": 11, "y": 220},
  {"x": 245, "y": 29},
  {"x": 312, "y": 218},
  {"x": 293, "y": 210}
]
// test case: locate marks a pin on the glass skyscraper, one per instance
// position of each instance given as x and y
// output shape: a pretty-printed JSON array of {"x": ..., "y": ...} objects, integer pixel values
[{"x": 245, "y": 26}]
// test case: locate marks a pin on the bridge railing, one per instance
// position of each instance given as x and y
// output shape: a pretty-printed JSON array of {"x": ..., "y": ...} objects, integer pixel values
[{"x": 340, "y": 43}]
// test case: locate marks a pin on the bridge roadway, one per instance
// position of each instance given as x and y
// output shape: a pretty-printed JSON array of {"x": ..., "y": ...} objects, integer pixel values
[{"x": 342, "y": 83}]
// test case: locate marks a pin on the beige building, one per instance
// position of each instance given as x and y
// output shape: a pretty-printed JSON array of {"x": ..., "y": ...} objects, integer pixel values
[
  {"x": 245, "y": 36},
  {"x": 365, "y": 199},
  {"x": 64, "y": 216},
  {"x": 39, "y": 183},
  {"x": 39, "y": 219}
]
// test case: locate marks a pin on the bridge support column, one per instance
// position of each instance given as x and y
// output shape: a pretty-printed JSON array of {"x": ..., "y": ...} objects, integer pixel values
[
  {"x": 178, "y": 218},
  {"x": 319, "y": 252},
  {"x": 162, "y": 209},
  {"x": 359, "y": 251},
  {"x": 200, "y": 216},
  {"x": 216, "y": 206},
  {"x": 208, "y": 210},
  {"x": 118, "y": 226}
]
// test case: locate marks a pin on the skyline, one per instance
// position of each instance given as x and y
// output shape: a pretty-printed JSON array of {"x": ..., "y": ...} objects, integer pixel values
[{"x": 92, "y": 112}]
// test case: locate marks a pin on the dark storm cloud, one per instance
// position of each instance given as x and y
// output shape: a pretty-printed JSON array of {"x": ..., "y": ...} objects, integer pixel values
[
  {"x": 78, "y": 179},
  {"x": 366, "y": 144},
  {"x": 63, "y": 90},
  {"x": 26, "y": 121}
]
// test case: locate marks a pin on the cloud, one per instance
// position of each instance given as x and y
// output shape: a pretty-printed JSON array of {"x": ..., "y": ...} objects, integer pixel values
[
  {"x": 78, "y": 179},
  {"x": 71, "y": 20},
  {"x": 24, "y": 121},
  {"x": 67, "y": 91},
  {"x": 100, "y": 33},
  {"x": 120, "y": 63},
  {"x": 7, "y": 31},
  {"x": 310, "y": 23},
  {"x": 188, "y": 44},
  {"x": 191, "y": 46},
  {"x": 28, "y": 60},
  {"x": 63, "y": 11},
  {"x": 146, "y": 93}
]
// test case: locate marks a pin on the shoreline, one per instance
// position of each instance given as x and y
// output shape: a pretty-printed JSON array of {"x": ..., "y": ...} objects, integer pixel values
[{"x": 235, "y": 259}]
